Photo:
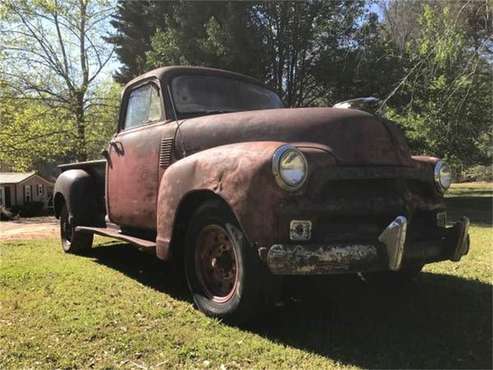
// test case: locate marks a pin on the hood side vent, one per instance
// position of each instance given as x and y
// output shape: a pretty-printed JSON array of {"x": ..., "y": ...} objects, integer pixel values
[{"x": 166, "y": 152}]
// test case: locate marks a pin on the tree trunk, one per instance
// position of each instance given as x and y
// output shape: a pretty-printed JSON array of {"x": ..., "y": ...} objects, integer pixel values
[{"x": 81, "y": 129}]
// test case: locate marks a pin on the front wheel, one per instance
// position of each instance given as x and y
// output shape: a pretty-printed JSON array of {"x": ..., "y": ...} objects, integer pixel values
[
  {"x": 226, "y": 278},
  {"x": 72, "y": 241}
]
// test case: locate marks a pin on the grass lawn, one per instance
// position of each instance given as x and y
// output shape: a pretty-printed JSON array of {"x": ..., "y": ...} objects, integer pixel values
[{"x": 119, "y": 308}]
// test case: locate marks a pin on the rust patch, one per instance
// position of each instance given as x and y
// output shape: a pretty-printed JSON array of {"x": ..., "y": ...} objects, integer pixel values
[
  {"x": 361, "y": 176},
  {"x": 233, "y": 172},
  {"x": 320, "y": 259}
]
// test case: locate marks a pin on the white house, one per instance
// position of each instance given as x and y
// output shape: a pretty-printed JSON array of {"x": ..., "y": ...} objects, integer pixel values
[{"x": 18, "y": 188}]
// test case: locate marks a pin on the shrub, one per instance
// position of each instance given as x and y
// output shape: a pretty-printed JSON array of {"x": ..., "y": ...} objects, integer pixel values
[
  {"x": 15, "y": 209},
  {"x": 5, "y": 214},
  {"x": 32, "y": 209},
  {"x": 478, "y": 173}
]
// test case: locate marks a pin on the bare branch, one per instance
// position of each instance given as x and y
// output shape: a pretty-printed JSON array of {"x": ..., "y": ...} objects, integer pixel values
[{"x": 62, "y": 45}]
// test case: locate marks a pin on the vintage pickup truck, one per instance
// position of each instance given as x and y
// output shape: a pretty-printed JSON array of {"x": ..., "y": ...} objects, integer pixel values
[{"x": 208, "y": 168}]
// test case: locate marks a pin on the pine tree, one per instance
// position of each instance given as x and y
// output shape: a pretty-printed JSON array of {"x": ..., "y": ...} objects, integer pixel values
[{"x": 135, "y": 23}]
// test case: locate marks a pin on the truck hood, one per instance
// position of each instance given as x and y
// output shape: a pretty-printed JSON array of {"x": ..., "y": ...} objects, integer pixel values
[{"x": 354, "y": 137}]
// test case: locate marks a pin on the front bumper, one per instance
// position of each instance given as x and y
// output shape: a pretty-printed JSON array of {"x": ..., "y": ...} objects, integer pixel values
[{"x": 389, "y": 252}]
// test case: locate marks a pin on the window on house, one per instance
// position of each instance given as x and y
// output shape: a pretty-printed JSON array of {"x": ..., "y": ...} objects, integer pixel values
[
  {"x": 2, "y": 196},
  {"x": 41, "y": 190},
  {"x": 27, "y": 194},
  {"x": 49, "y": 196}
]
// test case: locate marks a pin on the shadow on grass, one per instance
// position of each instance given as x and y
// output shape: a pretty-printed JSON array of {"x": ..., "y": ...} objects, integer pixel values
[
  {"x": 144, "y": 268},
  {"x": 442, "y": 321},
  {"x": 478, "y": 209}
]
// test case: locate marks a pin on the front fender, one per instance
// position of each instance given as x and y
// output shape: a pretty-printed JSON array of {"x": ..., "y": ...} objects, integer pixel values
[
  {"x": 241, "y": 174},
  {"x": 427, "y": 164},
  {"x": 78, "y": 190},
  {"x": 424, "y": 161}
]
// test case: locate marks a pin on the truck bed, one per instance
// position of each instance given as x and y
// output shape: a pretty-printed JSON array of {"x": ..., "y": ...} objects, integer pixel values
[{"x": 96, "y": 167}]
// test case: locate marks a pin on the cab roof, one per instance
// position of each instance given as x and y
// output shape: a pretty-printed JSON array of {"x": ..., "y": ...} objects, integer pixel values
[{"x": 166, "y": 73}]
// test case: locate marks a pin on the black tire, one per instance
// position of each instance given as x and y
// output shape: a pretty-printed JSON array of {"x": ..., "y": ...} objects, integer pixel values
[
  {"x": 73, "y": 241},
  {"x": 407, "y": 275},
  {"x": 214, "y": 236}
]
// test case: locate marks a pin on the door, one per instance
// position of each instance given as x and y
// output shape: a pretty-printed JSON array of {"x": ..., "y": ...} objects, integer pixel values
[
  {"x": 6, "y": 197},
  {"x": 133, "y": 158},
  {"x": 27, "y": 194}
]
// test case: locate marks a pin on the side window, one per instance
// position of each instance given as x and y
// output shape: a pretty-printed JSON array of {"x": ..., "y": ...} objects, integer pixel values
[
  {"x": 144, "y": 106},
  {"x": 154, "y": 105}
]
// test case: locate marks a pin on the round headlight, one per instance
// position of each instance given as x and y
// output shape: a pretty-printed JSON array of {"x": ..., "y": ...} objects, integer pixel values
[
  {"x": 443, "y": 176},
  {"x": 290, "y": 167}
]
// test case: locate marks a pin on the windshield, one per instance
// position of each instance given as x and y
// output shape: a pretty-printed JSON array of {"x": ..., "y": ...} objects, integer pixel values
[{"x": 198, "y": 94}]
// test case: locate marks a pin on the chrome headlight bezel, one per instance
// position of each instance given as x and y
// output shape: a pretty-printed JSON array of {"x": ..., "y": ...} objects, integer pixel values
[
  {"x": 279, "y": 154},
  {"x": 441, "y": 181}
]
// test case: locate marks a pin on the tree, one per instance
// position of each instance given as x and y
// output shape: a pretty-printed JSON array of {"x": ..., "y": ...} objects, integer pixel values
[
  {"x": 446, "y": 88},
  {"x": 303, "y": 38},
  {"x": 53, "y": 53},
  {"x": 135, "y": 22},
  {"x": 34, "y": 135},
  {"x": 285, "y": 44},
  {"x": 429, "y": 61},
  {"x": 211, "y": 34},
  {"x": 103, "y": 116},
  {"x": 368, "y": 66},
  {"x": 27, "y": 124},
  {"x": 474, "y": 17},
  {"x": 401, "y": 21}
]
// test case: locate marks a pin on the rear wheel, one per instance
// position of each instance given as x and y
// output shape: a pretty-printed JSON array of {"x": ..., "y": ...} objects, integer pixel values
[
  {"x": 225, "y": 276},
  {"x": 72, "y": 241}
]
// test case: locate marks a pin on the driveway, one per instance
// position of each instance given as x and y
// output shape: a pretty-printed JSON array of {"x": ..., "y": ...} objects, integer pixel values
[{"x": 29, "y": 228}]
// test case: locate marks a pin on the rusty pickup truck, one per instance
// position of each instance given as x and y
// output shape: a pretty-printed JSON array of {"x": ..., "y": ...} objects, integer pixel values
[{"x": 209, "y": 169}]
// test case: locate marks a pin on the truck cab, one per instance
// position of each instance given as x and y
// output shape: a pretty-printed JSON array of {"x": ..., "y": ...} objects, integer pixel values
[{"x": 207, "y": 168}]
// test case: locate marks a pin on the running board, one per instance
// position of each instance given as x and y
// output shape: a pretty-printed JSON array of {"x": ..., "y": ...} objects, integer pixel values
[{"x": 116, "y": 234}]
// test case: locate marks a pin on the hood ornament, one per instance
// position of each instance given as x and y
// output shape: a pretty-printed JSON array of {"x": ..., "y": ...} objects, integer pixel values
[{"x": 368, "y": 104}]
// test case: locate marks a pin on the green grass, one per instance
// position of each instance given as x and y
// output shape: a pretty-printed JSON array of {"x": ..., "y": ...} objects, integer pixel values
[{"x": 119, "y": 308}]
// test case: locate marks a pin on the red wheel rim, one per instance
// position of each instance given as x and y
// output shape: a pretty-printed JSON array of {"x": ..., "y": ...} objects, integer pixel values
[{"x": 216, "y": 263}]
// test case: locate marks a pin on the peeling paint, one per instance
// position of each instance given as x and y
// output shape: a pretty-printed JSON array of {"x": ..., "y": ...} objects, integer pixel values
[
  {"x": 299, "y": 259},
  {"x": 361, "y": 176}
]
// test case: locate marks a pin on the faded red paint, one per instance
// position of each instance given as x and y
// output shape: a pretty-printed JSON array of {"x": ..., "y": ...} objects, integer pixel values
[
  {"x": 353, "y": 137},
  {"x": 133, "y": 175},
  {"x": 238, "y": 173},
  {"x": 361, "y": 174}
]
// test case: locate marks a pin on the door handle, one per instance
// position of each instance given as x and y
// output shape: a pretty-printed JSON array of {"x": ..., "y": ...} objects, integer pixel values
[{"x": 118, "y": 146}]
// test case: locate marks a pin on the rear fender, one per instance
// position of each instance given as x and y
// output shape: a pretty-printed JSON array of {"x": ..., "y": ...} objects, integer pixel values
[{"x": 78, "y": 190}]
